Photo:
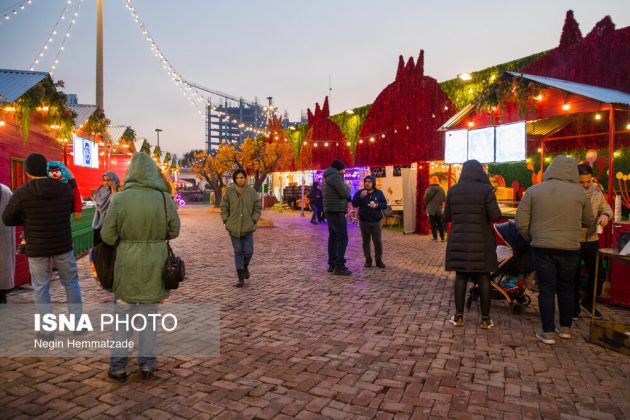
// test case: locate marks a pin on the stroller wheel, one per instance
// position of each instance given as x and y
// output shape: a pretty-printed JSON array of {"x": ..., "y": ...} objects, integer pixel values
[
  {"x": 525, "y": 300},
  {"x": 517, "y": 308}
]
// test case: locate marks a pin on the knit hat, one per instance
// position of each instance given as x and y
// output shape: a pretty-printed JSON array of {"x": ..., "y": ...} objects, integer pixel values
[
  {"x": 434, "y": 180},
  {"x": 338, "y": 165},
  {"x": 35, "y": 165}
]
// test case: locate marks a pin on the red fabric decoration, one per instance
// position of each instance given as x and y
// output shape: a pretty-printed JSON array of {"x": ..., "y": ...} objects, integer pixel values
[
  {"x": 602, "y": 58},
  {"x": 323, "y": 130},
  {"x": 408, "y": 113},
  {"x": 422, "y": 182},
  {"x": 571, "y": 33}
]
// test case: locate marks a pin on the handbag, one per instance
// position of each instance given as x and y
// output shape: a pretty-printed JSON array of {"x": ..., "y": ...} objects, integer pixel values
[
  {"x": 102, "y": 261},
  {"x": 174, "y": 268}
]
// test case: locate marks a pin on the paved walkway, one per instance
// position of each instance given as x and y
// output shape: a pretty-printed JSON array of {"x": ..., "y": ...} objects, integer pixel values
[{"x": 300, "y": 343}]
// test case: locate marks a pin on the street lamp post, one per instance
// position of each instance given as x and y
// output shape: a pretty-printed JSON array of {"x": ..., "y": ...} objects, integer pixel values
[{"x": 158, "y": 130}]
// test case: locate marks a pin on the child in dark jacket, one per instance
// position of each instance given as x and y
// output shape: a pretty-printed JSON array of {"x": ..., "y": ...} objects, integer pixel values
[{"x": 371, "y": 202}]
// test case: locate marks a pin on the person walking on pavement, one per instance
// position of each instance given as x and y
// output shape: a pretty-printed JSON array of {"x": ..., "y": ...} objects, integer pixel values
[
  {"x": 471, "y": 206},
  {"x": 240, "y": 211},
  {"x": 434, "y": 197},
  {"x": 139, "y": 219},
  {"x": 315, "y": 200},
  {"x": 371, "y": 202},
  {"x": 589, "y": 244},
  {"x": 336, "y": 196},
  {"x": 102, "y": 198},
  {"x": 551, "y": 215},
  {"x": 43, "y": 206},
  {"x": 7, "y": 248}
]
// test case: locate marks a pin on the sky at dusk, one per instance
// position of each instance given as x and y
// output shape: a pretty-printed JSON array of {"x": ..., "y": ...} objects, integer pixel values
[{"x": 286, "y": 49}]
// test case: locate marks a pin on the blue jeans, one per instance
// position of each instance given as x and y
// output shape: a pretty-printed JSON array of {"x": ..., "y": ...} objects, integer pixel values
[
  {"x": 41, "y": 270},
  {"x": 243, "y": 250},
  {"x": 555, "y": 274},
  {"x": 337, "y": 239},
  {"x": 147, "y": 337}
]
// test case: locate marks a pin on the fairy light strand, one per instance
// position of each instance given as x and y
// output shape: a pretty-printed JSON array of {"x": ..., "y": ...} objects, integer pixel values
[
  {"x": 190, "y": 93},
  {"x": 75, "y": 15},
  {"x": 11, "y": 11},
  {"x": 51, "y": 35}
]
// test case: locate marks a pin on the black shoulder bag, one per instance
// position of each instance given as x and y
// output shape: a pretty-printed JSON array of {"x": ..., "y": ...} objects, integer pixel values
[{"x": 174, "y": 267}]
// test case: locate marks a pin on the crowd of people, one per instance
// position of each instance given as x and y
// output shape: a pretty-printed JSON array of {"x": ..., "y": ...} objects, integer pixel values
[{"x": 560, "y": 218}]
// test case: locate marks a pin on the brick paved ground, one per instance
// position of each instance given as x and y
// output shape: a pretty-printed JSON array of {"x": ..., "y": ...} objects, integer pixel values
[{"x": 300, "y": 343}]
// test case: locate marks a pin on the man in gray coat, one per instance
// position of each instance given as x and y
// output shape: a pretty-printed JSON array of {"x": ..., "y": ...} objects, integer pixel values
[
  {"x": 336, "y": 195},
  {"x": 551, "y": 215}
]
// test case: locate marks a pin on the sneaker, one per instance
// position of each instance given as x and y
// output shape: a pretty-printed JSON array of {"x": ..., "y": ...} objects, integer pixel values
[
  {"x": 457, "y": 320},
  {"x": 589, "y": 311},
  {"x": 564, "y": 332},
  {"x": 487, "y": 324},
  {"x": 546, "y": 337},
  {"x": 342, "y": 272},
  {"x": 576, "y": 315},
  {"x": 368, "y": 264}
]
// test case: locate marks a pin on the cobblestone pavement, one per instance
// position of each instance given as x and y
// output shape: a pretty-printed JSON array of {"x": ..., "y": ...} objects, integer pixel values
[{"x": 297, "y": 342}]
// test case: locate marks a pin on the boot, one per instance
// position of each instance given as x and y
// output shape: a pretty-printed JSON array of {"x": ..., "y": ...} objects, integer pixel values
[
  {"x": 246, "y": 273},
  {"x": 379, "y": 263},
  {"x": 241, "y": 277},
  {"x": 368, "y": 263}
]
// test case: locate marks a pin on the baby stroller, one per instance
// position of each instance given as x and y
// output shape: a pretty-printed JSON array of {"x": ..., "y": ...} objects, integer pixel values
[{"x": 515, "y": 265}]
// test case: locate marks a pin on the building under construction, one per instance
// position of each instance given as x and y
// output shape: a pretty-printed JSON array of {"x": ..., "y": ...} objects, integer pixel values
[{"x": 232, "y": 122}]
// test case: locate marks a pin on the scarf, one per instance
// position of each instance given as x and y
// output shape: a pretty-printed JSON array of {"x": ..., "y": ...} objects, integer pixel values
[{"x": 103, "y": 196}]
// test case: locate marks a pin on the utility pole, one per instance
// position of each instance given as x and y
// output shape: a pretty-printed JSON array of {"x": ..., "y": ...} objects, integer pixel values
[{"x": 99, "y": 54}]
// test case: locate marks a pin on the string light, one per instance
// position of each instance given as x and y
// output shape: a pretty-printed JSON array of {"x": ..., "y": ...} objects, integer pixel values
[
  {"x": 190, "y": 92},
  {"x": 13, "y": 10},
  {"x": 566, "y": 107},
  {"x": 75, "y": 14},
  {"x": 51, "y": 36}
]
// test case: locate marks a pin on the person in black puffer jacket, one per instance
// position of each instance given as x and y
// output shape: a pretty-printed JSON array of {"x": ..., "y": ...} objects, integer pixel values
[
  {"x": 336, "y": 195},
  {"x": 371, "y": 202},
  {"x": 43, "y": 206},
  {"x": 471, "y": 206}
]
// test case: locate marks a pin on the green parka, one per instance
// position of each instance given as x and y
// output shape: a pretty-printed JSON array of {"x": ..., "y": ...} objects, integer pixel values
[
  {"x": 136, "y": 218},
  {"x": 240, "y": 213}
]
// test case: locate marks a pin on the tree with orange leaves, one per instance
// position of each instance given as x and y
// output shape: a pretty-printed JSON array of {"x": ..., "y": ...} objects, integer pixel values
[
  {"x": 213, "y": 168},
  {"x": 261, "y": 157}
]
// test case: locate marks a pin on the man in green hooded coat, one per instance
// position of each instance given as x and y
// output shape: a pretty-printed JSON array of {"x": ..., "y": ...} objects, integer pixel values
[{"x": 139, "y": 219}]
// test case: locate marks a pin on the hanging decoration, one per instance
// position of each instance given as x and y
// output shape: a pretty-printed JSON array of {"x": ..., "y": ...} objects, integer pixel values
[
  {"x": 10, "y": 12},
  {"x": 401, "y": 126},
  {"x": 51, "y": 36},
  {"x": 324, "y": 141},
  {"x": 75, "y": 15}
]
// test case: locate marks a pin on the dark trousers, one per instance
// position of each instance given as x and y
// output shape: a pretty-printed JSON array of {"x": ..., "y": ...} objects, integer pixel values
[
  {"x": 435, "y": 220},
  {"x": 556, "y": 276},
  {"x": 337, "y": 239},
  {"x": 243, "y": 250},
  {"x": 96, "y": 238},
  {"x": 461, "y": 285},
  {"x": 588, "y": 253},
  {"x": 371, "y": 232},
  {"x": 317, "y": 213}
]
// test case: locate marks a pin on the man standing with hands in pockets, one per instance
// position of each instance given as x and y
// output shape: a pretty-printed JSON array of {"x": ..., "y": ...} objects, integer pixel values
[{"x": 371, "y": 202}]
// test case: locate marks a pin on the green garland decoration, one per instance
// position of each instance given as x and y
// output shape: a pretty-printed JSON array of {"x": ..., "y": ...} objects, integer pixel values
[
  {"x": 97, "y": 123},
  {"x": 462, "y": 92},
  {"x": 296, "y": 138},
  {"x": 350, "y": 125},
  {"x": 157, "y": 153},
  {"x": 146, "y": 147}
]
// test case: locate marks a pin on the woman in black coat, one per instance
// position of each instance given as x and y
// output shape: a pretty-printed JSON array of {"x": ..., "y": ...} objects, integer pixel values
[{"x": 471, "y": 206}]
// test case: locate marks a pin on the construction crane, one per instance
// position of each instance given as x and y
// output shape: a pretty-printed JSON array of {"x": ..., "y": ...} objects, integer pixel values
[{"x": 223, "y": 95}]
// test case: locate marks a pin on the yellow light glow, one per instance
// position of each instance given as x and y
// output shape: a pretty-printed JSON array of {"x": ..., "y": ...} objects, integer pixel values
[
  {"x": 315, "y": 145},
  {"x": 539, "y": 97},
  {"x": 2, "y": 123},
  {"x": 539, "y": 150},
  {"x": 361, "y": 141},
  {"x": 349, "y": 111},
  {"x": 326, "y": 144},
  {"x": 471, "y": 124},
  {"x": 348, "y": 143},
  {"x": 465, "y": 76},
  {"x": 598, "y": 117},
  {"x": 566, "y": 107}
]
